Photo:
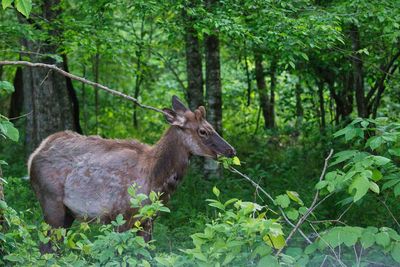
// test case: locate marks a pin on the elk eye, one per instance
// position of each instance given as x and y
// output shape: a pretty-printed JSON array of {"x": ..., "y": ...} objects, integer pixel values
[{"x": 202, "y": 132}]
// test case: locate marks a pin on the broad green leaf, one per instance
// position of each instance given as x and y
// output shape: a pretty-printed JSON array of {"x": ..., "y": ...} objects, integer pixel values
[
  {"x": 277, "y": 242},
  {"x": 367, "y": 239},
  {"x": 216, "y": 191},
  {"x": 8, "y": 129},
  {"x": 6, "y": 3},
  {"x": 395, "y": 151},
  {"x": 374, "y": 187},
  {"x": 269, "y": 261},
  {"x": 292, "y": 214},
  {"x": 396, "y": 190},
  {"x": 381, "y": 160},
  {"x": 283, "y": 201},
  {"x": 376, "y": 175},
  {"x": 295, "y": 197},
  {"x": 6, "y": 86},
  {"x": 361, "y": 185},
  {"x": 382, "y": 239},
  {"x": 236, "y": 161},
  {"x": 24, "y": 6},
  {"x": 311, "y": 248},
  {"x": 396, "y": 252},
  {"x": 350, "y": 235}
]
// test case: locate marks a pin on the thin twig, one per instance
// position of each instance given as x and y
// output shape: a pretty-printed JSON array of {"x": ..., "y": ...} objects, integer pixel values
[
  {"x": 390, "y": 212},
  {"x": 80, "y": 79},
  {"x": 313, "y": 205},
  {"x": 337, "y": 256}
]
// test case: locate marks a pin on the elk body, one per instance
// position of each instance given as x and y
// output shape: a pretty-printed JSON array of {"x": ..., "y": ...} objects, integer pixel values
[{"x": 80, "y": 177}]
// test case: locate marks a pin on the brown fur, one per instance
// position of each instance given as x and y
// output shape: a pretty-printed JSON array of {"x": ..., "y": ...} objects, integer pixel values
[{"x": 79, "y": 177}]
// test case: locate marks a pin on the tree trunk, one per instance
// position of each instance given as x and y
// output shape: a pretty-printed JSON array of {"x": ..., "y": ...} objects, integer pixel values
[
  {"x": 320, "y": 85},
  {"x": 213, "y": 91},
  {"x": 17, "y": 97},
  {"x": 96, "y": 65},
  {"x": 45, "y": 94},
  {"x": 299, "y": 106},
  {"x": 73, "y": 97},
  {"x": 274, "y": 64},
  {"x": 265, "y": 103},
  {"x": 193, "y": 63},
  {"x": 358, "y": 75}
]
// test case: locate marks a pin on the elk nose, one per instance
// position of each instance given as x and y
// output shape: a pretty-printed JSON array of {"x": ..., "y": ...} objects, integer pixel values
[{"x": 231, "y": 152}]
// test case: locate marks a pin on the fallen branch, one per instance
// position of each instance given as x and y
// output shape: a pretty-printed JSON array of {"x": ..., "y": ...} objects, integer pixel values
[
  {"x": 313, "y": 205},
  {"x": 80, "y": 79}
]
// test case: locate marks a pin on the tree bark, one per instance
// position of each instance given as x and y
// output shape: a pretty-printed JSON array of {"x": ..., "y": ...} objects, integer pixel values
[
  {"x": 45, "y": 94},
  {"x": 265, "y": 103},
  {"x": 274, "y": 65},
  {"x": 17, "y": 97},
  {"x": 320, "y": 85},
  {"x": 213, "y": 91},
  {"x": 194, "y": 70},
  {"x": 358, "y": 75},
  {"x": 299, "y": 106}
]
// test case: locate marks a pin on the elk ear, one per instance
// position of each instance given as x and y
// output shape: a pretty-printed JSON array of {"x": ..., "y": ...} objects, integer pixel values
[
  {"x": 177, "y": 104},
  {"x": 174, "y": 118},
  {"x": 200, "y": 113}
]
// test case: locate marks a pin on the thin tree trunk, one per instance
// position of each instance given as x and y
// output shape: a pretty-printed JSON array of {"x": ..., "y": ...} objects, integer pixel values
[
  {"x": 265, "y": 103},
  {"x": 358, "y": 75},
  {"x": 299, "y": 106},
  {"x": 193, "y": 63},
  {"x": 274, "y": 64},
  {"x": 320, "y": 85},
  {"x": 73, "y": 97},
  {"x": 83, "y": 92},
  {"x": 96, "y": 90},
  {"x": 248, "y": 79},
  {"x": 139, "y": 74},
  {"x": 17, "y": 97},
  {"x": 213, "y": 91}
]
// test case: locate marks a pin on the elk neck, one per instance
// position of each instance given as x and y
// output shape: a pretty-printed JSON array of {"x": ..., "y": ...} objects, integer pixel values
[{"x": 171, "y": 159}]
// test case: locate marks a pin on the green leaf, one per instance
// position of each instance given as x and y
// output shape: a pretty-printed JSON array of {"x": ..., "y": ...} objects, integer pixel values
[
  {"x": 292, "y": 214},
  {"x": 217, "y": 205},
  {"x": 367, "y": 239},
  {"x": 374, "y": 187},
  {"x": 269, "y": 261},
  {"x": 381, "y": 160},
  {"x": 396, "y": 252},
  {"x": 376, "y": 175},
  {"x": 236, "y": 161},
  {"x": 6, "y": 86},
  {"x": 396, "y": 190},
  {"x": 283, "y": 201},
  {"x": 395, "y": 151},
  {"x": 295, "y": 197},
  {"x": 6, "y": 3},
  {"x": 8, "y": 129},
  {"x": 382, "y": 239},
  {"x": 350, "y": 235},
  {"x": 277, "y": 241},
  {"x": 361, "y": 185},
  {"x": 24, "y": 6},
  {"x": 216, "y": 191}
]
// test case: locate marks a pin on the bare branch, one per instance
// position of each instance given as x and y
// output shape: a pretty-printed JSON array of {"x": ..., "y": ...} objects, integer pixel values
[
  {"x": 313, "y": 205},
  {"x": 80, "y": 79}
]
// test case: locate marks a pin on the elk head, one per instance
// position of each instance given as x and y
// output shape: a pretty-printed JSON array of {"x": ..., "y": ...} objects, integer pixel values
[{"x": 199, "y": 137}]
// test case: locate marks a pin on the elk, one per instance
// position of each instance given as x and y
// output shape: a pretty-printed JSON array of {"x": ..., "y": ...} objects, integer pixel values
[{"x": 87, "y": 177}]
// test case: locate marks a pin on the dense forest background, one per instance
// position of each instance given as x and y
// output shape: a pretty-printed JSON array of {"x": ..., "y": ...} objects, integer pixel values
[{"x": 308, "y": 93}]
